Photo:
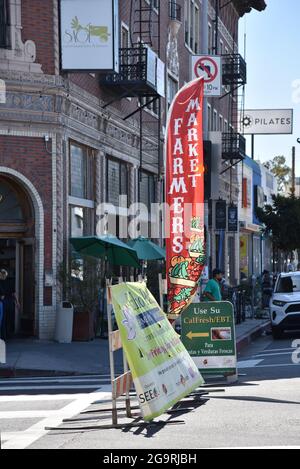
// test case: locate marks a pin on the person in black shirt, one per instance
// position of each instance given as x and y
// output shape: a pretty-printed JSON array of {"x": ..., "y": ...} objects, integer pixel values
[{"x": 7, "y": 304}]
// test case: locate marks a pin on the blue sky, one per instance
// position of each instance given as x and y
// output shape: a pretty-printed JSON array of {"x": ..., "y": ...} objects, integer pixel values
[{"x": 273, "y": 59}]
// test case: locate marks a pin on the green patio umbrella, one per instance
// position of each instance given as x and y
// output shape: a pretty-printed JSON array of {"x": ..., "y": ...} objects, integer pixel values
[
  {"x": 106, "y": 247},
  {"x": 147, "y": 250}
]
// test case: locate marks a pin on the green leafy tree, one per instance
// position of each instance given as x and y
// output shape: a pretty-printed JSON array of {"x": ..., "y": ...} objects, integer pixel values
[
  {"x": 278, "y": 166},
  {"x": 282, "y": 223}
]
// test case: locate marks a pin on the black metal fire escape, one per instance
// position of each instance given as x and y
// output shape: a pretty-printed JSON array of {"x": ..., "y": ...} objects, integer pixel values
[
  {"x": 134, "y": 79},
  {"x": 234, "y": 77}
]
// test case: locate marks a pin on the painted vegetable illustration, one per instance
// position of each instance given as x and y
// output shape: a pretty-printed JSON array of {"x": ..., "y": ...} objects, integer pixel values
[
  {"x": 196, "y": 248},
  {"x": 196, "y": 224},
  {"x": 179, "y": 274},
  {"x": 183, "y": 295}
]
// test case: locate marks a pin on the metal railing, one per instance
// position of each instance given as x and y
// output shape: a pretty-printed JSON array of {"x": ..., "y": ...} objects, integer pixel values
[
  {"x": 234, "y": 70},
  {"x": 236, "y": 296},
  {"x": 233, "y": 146}
]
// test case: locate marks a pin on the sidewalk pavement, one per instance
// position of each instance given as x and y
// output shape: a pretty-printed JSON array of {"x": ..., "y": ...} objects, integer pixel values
[{"x": 31, "y": 357}]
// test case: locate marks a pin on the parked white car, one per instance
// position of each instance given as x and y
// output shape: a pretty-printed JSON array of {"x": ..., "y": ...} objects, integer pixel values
[{"x": 285, "y": 304}]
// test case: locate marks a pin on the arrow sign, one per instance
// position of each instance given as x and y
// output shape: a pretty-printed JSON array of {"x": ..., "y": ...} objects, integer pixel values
[
  {"x": 210, "y": 68},
  {"x": 194, "y": 335}
]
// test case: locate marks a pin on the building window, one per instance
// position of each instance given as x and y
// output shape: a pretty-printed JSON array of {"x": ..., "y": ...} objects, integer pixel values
[
  {"x": 4, "y": 24},
  {"x": 270, "y": 181},
  {"x": 192, "y": 25},
  {"x": 147, "y": 189},
  {"x": 154, "y": 4},
  {"x": 117, "y": 181},
  {"x": 209, "y": 116},
  {"x": 221, "y": 47},
  {"x": 82, "y": 172},
  {"x": 210, "y": 39},
  {"x": 125, "y": 37},
  {"x": 220, "y": 123},
  {"x": 151, "y": 105},
  {"x": 81, "y": 221},
  {"x": 10, "y": 207},
  {"x": 215, "y": 121},
  {"x": 172, "y": 89},
  {"x": 197, "y": 30}
]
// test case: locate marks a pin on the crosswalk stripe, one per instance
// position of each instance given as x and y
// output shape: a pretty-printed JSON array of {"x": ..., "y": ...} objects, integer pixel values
[
  {"x": 45, "y": 397},
  {"x": 27, "y": 437},
  {"x": 70, "y": 378},
  {"x": 16, "y": 381},
  {"x": 275, "y": 354},
  {"x": 248, "y": 363},
  {"x": 36, "y": 388},
  {"x": 26, "y": 414}
]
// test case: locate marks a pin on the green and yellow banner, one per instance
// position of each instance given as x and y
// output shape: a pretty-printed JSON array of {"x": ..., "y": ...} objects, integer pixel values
[{"x": 162, "y": 370}]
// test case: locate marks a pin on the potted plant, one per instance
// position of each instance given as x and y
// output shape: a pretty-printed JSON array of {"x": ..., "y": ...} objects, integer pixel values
[{"x": 81, "y": 282}]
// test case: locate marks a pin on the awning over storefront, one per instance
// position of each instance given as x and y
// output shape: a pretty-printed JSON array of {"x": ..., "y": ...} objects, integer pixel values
[{"x": 246, "y": 227}]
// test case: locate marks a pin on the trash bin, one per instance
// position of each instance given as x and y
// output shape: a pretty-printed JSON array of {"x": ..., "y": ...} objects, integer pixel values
[{"x": 64, "y": 323}]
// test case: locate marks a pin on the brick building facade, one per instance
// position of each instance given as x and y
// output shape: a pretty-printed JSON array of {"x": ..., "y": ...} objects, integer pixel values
[{"x": 63, "y": 152}]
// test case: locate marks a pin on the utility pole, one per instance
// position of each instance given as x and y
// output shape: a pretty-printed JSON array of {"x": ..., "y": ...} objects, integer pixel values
[
  {"x": 293, "y": 171},
  {"x": 204, "y": 51}
]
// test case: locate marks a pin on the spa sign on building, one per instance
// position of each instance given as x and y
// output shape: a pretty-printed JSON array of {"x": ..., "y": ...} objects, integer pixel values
[{"x": 208, "y": 334}]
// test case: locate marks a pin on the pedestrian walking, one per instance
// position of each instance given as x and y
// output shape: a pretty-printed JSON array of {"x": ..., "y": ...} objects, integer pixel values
[
  {"x": 266, "y": 285},
  {"x": 212, "y": 290}
]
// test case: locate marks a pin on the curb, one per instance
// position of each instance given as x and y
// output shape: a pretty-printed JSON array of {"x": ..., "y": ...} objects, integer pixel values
[
  {"x": 20, "y": 373},
  {"x": 9, "y": 372},
  {"x": 253, "y": 334}
]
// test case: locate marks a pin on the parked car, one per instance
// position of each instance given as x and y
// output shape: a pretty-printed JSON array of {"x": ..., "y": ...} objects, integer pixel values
[{"x": 285, "y": 304}]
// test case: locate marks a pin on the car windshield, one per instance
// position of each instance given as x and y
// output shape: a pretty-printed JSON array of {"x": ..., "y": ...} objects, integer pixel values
[{"x": 290, "y": 284}]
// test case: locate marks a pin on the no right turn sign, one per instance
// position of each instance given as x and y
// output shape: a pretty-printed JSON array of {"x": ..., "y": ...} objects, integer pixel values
[{"x": 208, "y": 67}]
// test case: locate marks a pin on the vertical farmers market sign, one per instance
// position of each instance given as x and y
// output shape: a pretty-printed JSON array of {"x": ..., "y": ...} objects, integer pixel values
[
  {"x": 89, "y": 35},
  {"x": 185, "y": 196},
  {"x": 162, "y": 370},
  {"x": 208, "y": 333}
]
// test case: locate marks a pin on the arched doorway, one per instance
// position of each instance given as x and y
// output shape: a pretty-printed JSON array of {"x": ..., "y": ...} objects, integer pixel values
[{"x": 17, "y": 242}]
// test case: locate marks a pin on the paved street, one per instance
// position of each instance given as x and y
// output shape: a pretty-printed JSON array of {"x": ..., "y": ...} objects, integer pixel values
[
  {"x": 28, "y": 405},
  {"x": 261, "y": 410}
]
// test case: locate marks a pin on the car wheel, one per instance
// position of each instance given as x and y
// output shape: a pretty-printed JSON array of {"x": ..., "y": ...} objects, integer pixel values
[{"x": 277, "y": 333}]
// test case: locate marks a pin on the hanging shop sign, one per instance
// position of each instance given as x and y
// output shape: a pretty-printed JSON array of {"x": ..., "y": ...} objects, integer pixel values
[
  {"x": 208, "y": 333},
  {"x": 161, "y": 78},
  {"x": 185, "y": 196},
  {"x": 267, "y": 121},
  {"x": 259, "y": 197},
  {"x": 221, "y": 219},
  {"x": 233, "y": 222},
  {"x": 210, "y": 69},
  {"x": 89, "y": 35},
  {"x": 162, "y": 370}
]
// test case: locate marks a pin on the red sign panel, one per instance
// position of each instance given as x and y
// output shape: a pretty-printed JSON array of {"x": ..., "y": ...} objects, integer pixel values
[{"x": 185, "y": 196}]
